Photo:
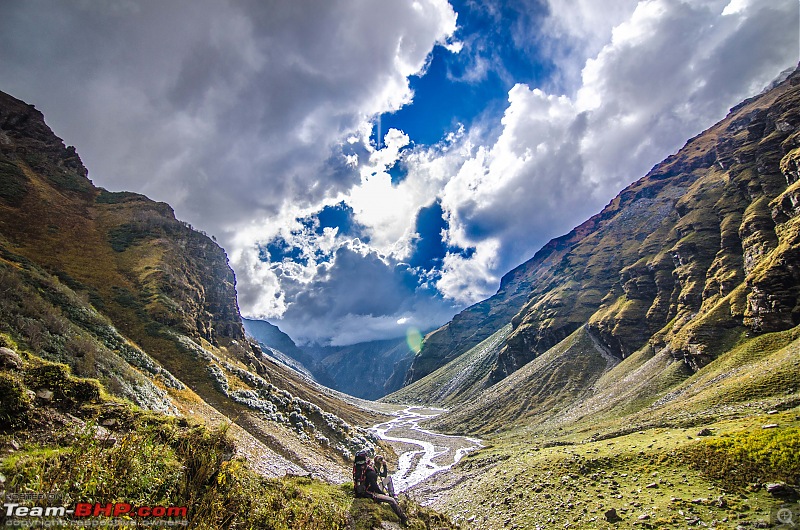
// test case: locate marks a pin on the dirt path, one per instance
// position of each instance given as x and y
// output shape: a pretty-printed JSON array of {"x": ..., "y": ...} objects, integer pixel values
[{"x": 422, "y": 453}]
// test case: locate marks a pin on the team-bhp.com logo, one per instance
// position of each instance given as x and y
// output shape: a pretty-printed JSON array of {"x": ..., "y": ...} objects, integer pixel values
[{"x": 87, "y": 514}]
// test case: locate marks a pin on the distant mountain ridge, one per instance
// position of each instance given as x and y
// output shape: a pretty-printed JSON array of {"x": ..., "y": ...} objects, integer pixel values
[
  {"x": 367, "y": 370},
  {"x": 270, "y": 336}
]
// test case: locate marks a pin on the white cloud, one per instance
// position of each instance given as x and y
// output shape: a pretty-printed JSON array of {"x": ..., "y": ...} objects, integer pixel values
[
  {"x": 247, "y": 116},
  {"x": 228, "y": 111},
  {"x": 667, "y": 70}
]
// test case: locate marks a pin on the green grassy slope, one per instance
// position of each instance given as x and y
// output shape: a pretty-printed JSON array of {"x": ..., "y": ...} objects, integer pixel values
[
  {"x": 459, "y": 380},
  {"x": 664, "y": 447},
  {"x": 67, "y": 437}
]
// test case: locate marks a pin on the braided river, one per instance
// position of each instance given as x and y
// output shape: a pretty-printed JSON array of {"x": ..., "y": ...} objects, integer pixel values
[{"x": 422, "y": 453}]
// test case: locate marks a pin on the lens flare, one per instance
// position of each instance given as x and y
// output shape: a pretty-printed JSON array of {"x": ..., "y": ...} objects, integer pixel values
[{"x": 414, "y": 339}]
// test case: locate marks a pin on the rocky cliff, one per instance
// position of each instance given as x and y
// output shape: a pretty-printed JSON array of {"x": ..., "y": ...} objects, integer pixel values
[
  {"x": 54, "y": 215},
  {"x": 114, "y": 286}
]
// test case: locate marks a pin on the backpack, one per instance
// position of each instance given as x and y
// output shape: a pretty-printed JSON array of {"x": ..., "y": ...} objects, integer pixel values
[{"x": 360, "y": 474}]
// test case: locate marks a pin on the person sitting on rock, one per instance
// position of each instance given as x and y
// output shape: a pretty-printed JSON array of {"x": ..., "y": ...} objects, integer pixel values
[
  {"x": 376, "y": 492},
  {"x": 383, "y": 474}
]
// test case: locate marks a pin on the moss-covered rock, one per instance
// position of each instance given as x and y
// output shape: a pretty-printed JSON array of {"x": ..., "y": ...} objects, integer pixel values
[{"x": 15, "y": 400}]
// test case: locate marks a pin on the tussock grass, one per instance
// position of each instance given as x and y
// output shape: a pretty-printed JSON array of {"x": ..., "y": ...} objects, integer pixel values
[{"x": 745, "y": 458}]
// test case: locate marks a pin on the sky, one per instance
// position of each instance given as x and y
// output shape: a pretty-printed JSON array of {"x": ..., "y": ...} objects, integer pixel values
[{"x": 372, "y": 167}]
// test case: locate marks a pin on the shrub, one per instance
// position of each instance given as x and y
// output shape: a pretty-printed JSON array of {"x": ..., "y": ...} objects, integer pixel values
[
  {"x": 14, "y": 401},
  {"x": 748, "y": 457},
  {"x": 15, "y": 184},
  {"x": 67, "y": 390}
]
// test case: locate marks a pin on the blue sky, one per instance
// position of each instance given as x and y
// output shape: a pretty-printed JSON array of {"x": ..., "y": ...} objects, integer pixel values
[
  {"x": 503, "y": 124},
  {"x": 457, "y": 88}
]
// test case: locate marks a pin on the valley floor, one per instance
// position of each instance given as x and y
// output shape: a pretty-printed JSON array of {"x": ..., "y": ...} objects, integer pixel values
[
  {"x": 422, "y": 453},
  {"x": 698, "y": 476}
]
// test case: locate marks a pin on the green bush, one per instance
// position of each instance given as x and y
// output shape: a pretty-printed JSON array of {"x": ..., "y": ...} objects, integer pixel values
[
  {"x": 67, "y": 390},
  {"x": 14, "y": 185},
  {"x": 124, "y": 236},
  {"x": 756, "y": 456},
  {"x": 14, "y": 401},
  {"x": 7, "y": 342},
  {"x": 164, "y": 464}
]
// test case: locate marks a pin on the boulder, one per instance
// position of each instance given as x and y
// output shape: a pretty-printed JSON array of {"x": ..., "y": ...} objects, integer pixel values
[
  {"x": 10, "y": 359},
  {"x": 612, "y": 516}
]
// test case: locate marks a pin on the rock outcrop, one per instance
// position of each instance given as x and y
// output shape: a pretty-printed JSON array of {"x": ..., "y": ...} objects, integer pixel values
[{"x": 53, "y": 214}]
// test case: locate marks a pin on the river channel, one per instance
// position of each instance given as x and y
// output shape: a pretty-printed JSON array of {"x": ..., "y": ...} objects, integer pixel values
[{"x": 422, "y": 453}]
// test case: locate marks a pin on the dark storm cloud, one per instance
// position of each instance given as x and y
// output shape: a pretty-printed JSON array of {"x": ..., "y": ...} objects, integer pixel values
[
  {"x": 360, "y": 296},
  {"x": 224, "y": 109}
]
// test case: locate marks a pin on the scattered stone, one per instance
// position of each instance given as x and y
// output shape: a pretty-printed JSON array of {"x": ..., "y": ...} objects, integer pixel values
[
  {"x": 103, "y": 436},
  {"x": 643, "y": 517},
  {"x": 110, "y": 422},
  {"x": 14, "y": 445},
  {"x": 779, "y": 489},
  {"x": 652, "y": 485},
  {"x": 770, "y": 426},
  {"x": 44, "y": 394},
  {"x": 705, "y": 432},
  {"x": 699, "y": 501},
  {"x": 612, "y": 516},
  {"x": 10, "y": 359},
  {"x": 770, "y": 412}
]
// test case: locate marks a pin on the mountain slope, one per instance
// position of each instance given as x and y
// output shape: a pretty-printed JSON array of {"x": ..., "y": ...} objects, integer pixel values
[
  {"x": 279, "y": 345},
  {"x": 366, "y": 370},
  {"x": 651, "y": 378},
  {"x": 687, "y": 259},
  {"x": 473, "y": 325},
  {"x": 113, "y": 285},
  {"x": 460, "y": 380}
]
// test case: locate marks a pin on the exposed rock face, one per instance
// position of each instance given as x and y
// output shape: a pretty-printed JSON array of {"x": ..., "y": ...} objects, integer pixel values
[
  {"x": 702, "y": 249},
  {"x": 704, "y": 246},
  {"x": 53, "y": 214}
]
